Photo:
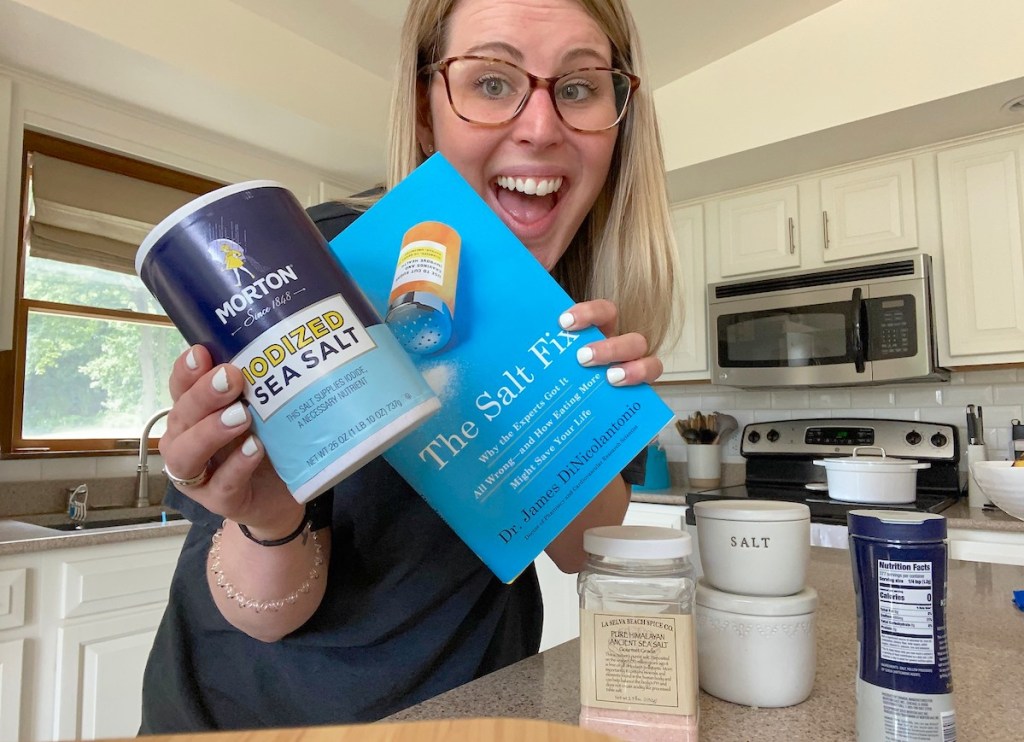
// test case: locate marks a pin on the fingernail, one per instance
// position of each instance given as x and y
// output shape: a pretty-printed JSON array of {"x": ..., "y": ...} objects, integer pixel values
[
  {"x": 616, "y": 375},
  {"x": 249, "y": 447},
  {"x": 584, "y": 356},
  {"x": 234, "y": 415},
  {"x": 190, "y": 359},
  {"x": 566, "y": 320},
  {"x": 220, "y": 380}
]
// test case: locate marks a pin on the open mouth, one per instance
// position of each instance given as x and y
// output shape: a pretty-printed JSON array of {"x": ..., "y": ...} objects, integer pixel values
[{"x": 527, "y": 200}]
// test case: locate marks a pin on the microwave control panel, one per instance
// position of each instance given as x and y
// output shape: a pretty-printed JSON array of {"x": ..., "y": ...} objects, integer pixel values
[{"x": 892, "y": 327}]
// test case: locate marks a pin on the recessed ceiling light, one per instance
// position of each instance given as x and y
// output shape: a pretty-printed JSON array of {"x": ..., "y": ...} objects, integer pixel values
[{"x": 1015, "y": 105}]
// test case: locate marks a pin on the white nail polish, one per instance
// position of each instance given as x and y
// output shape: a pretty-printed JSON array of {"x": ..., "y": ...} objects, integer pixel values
[
  {"x": 190, "y": 359},
  {"x": 584, "y": 356},
  {"x": 566, "y": 320},
  {"x": 616, "y": 375},
  {"x": 220, "y": 380},
  {"x": 234, "y": 415},
  {"x": 249, "y": 447}
]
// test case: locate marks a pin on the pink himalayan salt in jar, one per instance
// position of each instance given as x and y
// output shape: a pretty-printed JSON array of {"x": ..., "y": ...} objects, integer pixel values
[{"x": 638, "y": 661}]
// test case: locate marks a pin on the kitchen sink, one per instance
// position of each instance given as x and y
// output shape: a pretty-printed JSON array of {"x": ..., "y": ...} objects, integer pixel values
[{"x": 101, "y": 522}]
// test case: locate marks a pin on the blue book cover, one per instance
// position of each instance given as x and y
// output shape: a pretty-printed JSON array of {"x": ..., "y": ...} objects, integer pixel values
[{"x": 526, "y": 437}]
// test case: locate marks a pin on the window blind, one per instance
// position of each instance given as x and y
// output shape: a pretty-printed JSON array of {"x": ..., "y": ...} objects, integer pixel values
[{"x": 87, "y": 216}]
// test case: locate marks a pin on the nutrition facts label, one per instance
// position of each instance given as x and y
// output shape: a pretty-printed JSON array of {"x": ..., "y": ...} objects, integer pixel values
[{"x": 905, "y": 612}]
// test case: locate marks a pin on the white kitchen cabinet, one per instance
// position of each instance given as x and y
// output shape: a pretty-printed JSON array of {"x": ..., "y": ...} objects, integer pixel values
[
  {"x": 868, "y": 211},
  {"x": 11, "y": 658},
  {"x": 757, "y": 232},
  {"x": 983, "y": 252},
  {"x": 845, "y": 214},
  {"x": 77, "y": 639},
  {"x": 687, "y": 357},
  {"x": 997, "y": 547}
]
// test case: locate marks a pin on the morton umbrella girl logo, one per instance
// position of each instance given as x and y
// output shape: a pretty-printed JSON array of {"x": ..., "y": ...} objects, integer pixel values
[{"x": 232, "y": 257}]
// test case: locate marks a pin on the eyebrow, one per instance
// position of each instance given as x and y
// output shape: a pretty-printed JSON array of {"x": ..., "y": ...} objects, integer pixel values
[{"x": 501, "y": 47}]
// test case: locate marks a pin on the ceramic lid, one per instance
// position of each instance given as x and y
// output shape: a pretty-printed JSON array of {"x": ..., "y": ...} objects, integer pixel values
[
  {"x": 751, "y": 510},
  {"x": 803, "y": 602},
  {"x": 861, "y": 462},
  {"x": 637, "y": 542}
]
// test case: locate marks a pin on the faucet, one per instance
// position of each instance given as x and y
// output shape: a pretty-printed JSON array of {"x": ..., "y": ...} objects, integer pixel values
[{"x": 142, "y": 477}]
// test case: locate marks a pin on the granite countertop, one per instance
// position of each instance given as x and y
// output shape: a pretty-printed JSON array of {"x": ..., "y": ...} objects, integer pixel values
[
  {"x": 986, "y": 644},
  {"x": 30, "y": 533},
  {"x": 958, "y": 516}
]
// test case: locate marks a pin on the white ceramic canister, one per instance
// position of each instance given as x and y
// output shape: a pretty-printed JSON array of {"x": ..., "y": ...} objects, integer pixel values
[
  {"x": 244, "y": 272},
  {"x": 756, "y": 651},
  {"x": 872, "y": 479},
  {"x": 754, "y": 547}
]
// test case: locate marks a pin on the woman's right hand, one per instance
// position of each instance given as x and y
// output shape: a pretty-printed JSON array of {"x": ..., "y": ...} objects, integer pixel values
[{"x": 208, "y": 426}]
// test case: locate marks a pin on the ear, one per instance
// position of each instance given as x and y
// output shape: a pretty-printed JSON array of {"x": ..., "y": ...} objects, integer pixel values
[{"x": 424, "y": 120}]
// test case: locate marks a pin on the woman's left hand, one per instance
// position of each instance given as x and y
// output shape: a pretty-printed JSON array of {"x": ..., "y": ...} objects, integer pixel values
[{"x": 626, "y": 355}]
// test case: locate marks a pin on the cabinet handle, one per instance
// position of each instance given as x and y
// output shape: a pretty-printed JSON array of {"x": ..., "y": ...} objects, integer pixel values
[
  {"x": 824, "y": 226},
  {"x": 792, "y": 244}
]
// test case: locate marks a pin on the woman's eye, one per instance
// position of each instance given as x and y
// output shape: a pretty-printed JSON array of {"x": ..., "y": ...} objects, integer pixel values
[
  {"x": 576, "y": 90},
  {"x": 494, "y": 87}
]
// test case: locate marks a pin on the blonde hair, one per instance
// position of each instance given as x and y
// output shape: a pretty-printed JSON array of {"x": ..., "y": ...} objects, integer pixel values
[{"x": 624, "y": 249}]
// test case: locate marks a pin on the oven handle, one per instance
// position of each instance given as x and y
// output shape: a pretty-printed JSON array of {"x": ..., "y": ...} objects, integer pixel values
[{"x": 858, "y": 331}]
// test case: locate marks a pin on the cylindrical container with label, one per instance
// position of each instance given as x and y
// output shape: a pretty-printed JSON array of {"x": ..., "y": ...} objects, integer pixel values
[
  {"x": 638, "y": 661},
  {"x": 244, "y": 272},
  {"x": 904, "y": 680},
  {"x": 421, "y": 308}
]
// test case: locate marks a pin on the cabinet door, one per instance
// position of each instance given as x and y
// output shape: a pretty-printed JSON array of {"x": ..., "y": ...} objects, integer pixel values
[
  {"x": 983, "y": 253},
  {"x": 757, "y": 231},
  {"x": 869, "y": 211},
  {"x": 99, "y": 675},
  {"x": 11, "y": 653},
  {"x": 688, "y": 355}
]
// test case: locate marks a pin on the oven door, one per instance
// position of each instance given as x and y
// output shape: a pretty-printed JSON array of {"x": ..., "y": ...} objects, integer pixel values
[{"x": 794, "y": 338}]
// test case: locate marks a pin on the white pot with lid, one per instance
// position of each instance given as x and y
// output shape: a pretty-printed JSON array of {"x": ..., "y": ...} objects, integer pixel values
[{"x": 878, "y": 480}]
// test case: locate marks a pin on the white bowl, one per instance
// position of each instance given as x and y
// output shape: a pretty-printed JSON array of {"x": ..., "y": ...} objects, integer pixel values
[
  {"x": 754, "y": 547},
  {"x": 1003, "y": 484},
  {"x": 756, "y": 651}
]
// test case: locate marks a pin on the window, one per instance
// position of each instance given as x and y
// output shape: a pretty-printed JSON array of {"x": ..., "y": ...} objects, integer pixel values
[{"x": 92, "y": 348}]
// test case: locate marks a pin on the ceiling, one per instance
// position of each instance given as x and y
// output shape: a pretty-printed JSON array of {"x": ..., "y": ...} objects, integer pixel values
[{"x": 679, "y": 35}]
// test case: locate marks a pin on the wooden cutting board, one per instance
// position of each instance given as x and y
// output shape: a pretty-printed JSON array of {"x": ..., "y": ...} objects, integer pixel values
[{"x": 443, "y": 730}]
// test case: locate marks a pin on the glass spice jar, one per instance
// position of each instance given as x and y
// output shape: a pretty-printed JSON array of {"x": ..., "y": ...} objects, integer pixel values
[{"x": 638, "y": 660}]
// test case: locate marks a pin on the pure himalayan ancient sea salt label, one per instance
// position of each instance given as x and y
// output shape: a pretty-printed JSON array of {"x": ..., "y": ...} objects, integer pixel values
[{"x": 639, "y": 663}]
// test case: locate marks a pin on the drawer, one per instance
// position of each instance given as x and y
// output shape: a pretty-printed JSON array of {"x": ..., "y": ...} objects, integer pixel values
[
  {"x": 115, "y": 581},
  {"x": 12, "y": 598}
]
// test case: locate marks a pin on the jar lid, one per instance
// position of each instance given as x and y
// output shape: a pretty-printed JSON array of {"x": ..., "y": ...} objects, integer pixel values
[
  {"x": 805, "y": 601},
  {"x": 899, "y": 526},
  {"x": 637, "y": 542},
  {"x": 751, "y": 510}
]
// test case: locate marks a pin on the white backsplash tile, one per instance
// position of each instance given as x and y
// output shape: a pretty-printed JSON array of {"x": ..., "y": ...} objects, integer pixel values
[
  {"x": 76, "y": 468},
  {"x": 20, "y": 470}
]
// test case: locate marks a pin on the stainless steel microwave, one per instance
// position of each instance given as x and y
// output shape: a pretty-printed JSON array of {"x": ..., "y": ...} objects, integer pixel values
[{"x": 864, "y": 323}]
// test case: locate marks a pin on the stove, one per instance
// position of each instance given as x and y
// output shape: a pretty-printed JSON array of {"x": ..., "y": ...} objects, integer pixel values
[{"x": 779, "y": 462}]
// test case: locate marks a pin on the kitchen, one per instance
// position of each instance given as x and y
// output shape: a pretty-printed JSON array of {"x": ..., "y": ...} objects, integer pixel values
[{"x": 788, "y": 138}]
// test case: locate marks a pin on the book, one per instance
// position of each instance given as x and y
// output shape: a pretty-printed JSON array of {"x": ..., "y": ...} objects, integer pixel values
[{"x": 526, "y": 437}]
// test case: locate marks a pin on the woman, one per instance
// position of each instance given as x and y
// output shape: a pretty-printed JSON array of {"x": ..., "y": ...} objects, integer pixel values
[{"x": 382, "y": 605}]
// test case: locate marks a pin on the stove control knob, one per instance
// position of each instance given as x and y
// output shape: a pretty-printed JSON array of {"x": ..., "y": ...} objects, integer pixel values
[
  {"x": 753, "y": 436},
  {"x": 913, "y": 437},
  {"x": 773, "y": 435},
  {"x": 939, "y": 440}
]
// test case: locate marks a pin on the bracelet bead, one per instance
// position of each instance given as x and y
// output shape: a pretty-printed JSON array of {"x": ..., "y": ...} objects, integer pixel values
[{"x": 275, "y": 604}]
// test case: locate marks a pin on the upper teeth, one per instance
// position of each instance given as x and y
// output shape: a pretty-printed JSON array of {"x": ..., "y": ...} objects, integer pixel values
[{"x": 530, "y": 186}]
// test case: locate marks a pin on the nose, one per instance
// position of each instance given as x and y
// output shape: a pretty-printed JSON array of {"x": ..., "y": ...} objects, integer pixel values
[{"x": 539, "y": 123}]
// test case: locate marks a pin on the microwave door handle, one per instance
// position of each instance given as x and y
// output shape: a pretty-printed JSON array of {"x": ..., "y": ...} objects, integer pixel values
[{"x": 858, "y": 331}]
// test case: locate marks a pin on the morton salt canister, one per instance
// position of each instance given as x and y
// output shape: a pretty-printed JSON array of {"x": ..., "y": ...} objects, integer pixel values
[{"x": 245, "y": 272}]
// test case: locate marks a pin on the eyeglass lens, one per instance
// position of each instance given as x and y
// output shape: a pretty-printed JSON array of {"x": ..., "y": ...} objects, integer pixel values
[{"x": 490, "y": 92}]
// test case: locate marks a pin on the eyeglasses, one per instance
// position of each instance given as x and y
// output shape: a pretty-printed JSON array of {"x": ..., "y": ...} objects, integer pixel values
[{"x": 492, "y": 92}]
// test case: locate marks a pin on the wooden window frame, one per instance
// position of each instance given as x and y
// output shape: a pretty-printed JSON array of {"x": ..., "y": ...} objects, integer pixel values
[{"x": 12, "y": 362}]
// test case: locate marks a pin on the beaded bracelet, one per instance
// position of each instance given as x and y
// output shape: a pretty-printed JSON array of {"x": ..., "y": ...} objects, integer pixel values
[{"x": 244, "y": 601}]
